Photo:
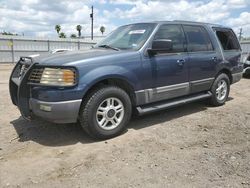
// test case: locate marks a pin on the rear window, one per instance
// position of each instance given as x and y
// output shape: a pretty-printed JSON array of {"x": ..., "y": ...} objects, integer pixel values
[
  {"x": 228, "y": 39},
  {"x": 198, "y": 39}
]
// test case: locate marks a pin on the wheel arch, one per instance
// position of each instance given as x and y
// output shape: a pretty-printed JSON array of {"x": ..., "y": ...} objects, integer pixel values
[
  {"x": 227, "y": 72},
  {"x": 113, "y": 81},
  {"x": 116, "y": 75}
]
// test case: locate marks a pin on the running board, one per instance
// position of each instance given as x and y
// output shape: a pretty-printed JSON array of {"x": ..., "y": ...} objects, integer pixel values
[{"x": 172, "y": 103}]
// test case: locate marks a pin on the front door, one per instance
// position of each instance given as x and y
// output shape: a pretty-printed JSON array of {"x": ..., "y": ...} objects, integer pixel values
[{"x": 170, "y": 69}]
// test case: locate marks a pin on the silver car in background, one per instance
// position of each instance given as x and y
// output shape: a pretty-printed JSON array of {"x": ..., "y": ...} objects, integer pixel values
[{"x": 246, "y": 71}]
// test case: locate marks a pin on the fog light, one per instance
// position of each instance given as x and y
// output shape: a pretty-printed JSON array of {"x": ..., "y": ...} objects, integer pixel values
[{"x": 44, "y": 107}]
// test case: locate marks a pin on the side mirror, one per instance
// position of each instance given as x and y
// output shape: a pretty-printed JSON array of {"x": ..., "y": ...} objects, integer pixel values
[{"x": 161, "y": 45}]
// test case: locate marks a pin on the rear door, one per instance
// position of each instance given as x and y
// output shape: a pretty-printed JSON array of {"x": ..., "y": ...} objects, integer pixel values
[{"x": 203, "y": 59}]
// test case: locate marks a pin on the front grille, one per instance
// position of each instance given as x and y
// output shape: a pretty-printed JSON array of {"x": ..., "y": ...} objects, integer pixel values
[
  {"x": 36, "y": 75},
  {"x": 22, "y": 70}
]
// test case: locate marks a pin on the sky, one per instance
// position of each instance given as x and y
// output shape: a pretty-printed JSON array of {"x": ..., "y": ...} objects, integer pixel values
[{"x": 39, "y": 17}]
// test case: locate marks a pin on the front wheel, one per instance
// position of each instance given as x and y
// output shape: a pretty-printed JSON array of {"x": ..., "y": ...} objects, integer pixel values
[
  {"x": 106, "y": 112},
  {"x": 220, "y": 90}
]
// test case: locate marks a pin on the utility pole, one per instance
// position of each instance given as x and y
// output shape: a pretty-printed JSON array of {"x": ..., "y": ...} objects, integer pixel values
[
  {"x": 92, "y": 21},
  {"x": 240, "y": 34}
]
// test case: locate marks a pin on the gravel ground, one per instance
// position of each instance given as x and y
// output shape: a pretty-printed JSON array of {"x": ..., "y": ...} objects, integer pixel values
[{"x": 195, "y": 145}]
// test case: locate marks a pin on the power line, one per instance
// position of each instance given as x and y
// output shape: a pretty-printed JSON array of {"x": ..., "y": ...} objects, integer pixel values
[
  {"x": 92, "y": 21},
  {"x": 240, "y": 34}
]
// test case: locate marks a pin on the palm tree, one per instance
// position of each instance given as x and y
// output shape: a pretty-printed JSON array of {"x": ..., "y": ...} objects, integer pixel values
[
  {"x": 79, "y": 28},
  {"x": 58, "y": 29},
  {"x": 73, "y": 36},
  {"x": 102, "y": 29},
  {"x": 62, "y": 35}
]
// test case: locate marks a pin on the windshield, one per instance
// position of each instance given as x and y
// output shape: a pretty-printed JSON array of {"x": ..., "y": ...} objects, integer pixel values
[{"x": 128, "y": 36}]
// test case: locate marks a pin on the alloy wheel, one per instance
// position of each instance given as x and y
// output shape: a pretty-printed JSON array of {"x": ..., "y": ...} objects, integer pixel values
[
  {"x": 221, "y": 90},
  {"x": 110, "y": 113}
]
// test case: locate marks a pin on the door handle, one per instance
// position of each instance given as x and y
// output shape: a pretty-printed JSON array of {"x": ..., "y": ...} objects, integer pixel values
[{"x": 180, "y": 62}]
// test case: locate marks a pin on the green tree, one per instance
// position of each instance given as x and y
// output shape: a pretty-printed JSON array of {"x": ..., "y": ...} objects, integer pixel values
[
  {"x": 102, "y": 29},
  {"x": 73, "y": 36},
  {"x": 58, "y": 29},
  {"x": 62, "y": 35},
  {"x": 79, "y": 29},
  {"x": 8, "y": 33}
]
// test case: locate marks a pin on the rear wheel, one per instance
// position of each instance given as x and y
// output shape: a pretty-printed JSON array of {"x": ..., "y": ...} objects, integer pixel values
[
  {"x": 220, "y": 90},
  {"x": 106, "y": 112}
]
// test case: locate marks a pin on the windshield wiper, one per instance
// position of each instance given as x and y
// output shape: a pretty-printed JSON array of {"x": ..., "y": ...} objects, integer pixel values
[{"x": 107, "y": 46}]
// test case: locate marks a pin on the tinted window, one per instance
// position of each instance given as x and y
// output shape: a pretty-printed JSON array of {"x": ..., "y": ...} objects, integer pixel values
[
  {"x": 228, "y": 40},
  {"x": 198, "y": 39},
  {"x": 173, "y": 33}
]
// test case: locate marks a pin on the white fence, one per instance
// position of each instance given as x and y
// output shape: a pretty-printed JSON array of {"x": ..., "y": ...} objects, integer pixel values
[
  {"x": 12, "y": 47},
  {"x": 245, "y": 46}
]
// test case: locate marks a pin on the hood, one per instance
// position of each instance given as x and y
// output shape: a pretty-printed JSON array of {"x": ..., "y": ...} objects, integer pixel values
[{"x": 67, "y": 57}]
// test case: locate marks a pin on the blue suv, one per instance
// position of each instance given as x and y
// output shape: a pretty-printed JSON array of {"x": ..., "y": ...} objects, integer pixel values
[{"x": 142, "y": 67}]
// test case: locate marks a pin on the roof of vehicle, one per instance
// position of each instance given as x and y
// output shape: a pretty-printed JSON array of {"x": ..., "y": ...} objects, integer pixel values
[{"x": 188, "y": 22}]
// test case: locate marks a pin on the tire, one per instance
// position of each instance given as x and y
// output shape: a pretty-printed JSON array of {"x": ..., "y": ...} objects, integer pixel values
[
  {"x": 246, "y": 75},
  {"x": 220, "y": 90},
  {"x": 105, "y": 112}
]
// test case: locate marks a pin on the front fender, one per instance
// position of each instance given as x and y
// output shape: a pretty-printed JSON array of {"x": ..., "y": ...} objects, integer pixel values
[{"x": 112, "y": 71}]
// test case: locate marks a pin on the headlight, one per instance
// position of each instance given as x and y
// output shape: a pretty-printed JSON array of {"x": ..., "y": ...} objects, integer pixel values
[{"x": 58, "y": 77}]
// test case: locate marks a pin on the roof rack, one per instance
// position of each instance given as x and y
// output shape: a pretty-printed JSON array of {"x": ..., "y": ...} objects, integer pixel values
[
  {"x": 218, "y": 25},
  {"x": 190, "y": 21}
]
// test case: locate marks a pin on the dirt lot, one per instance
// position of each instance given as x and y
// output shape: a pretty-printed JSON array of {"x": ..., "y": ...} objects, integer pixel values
[{"x": 190, "y": 146}]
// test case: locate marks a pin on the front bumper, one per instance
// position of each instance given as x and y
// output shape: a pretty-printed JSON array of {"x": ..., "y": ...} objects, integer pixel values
[
  {"x": 57, "y": 112},
  {"x": 33, "y": 103}
]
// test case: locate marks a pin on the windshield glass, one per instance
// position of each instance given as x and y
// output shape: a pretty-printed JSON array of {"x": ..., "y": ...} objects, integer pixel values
[{"x": 128, "y": 37}]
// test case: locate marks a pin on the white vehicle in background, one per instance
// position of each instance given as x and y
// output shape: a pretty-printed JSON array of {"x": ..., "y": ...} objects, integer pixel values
[
  {"x": 59, "y": 51},
  {"x": 52, "y": 52},
  {"x": 34, "y": 55}
]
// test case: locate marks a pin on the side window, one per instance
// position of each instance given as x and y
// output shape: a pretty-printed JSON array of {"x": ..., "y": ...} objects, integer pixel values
[
  {"x": 198, "y": 39},
  {"x": 228, "y": 40},
  {"x": 173, "y": 33}
]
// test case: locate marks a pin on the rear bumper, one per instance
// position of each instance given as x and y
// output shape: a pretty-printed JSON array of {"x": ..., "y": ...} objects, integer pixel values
[
  {"x": 236, "y": 77},
  {"x": 57, "y": 112}
]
